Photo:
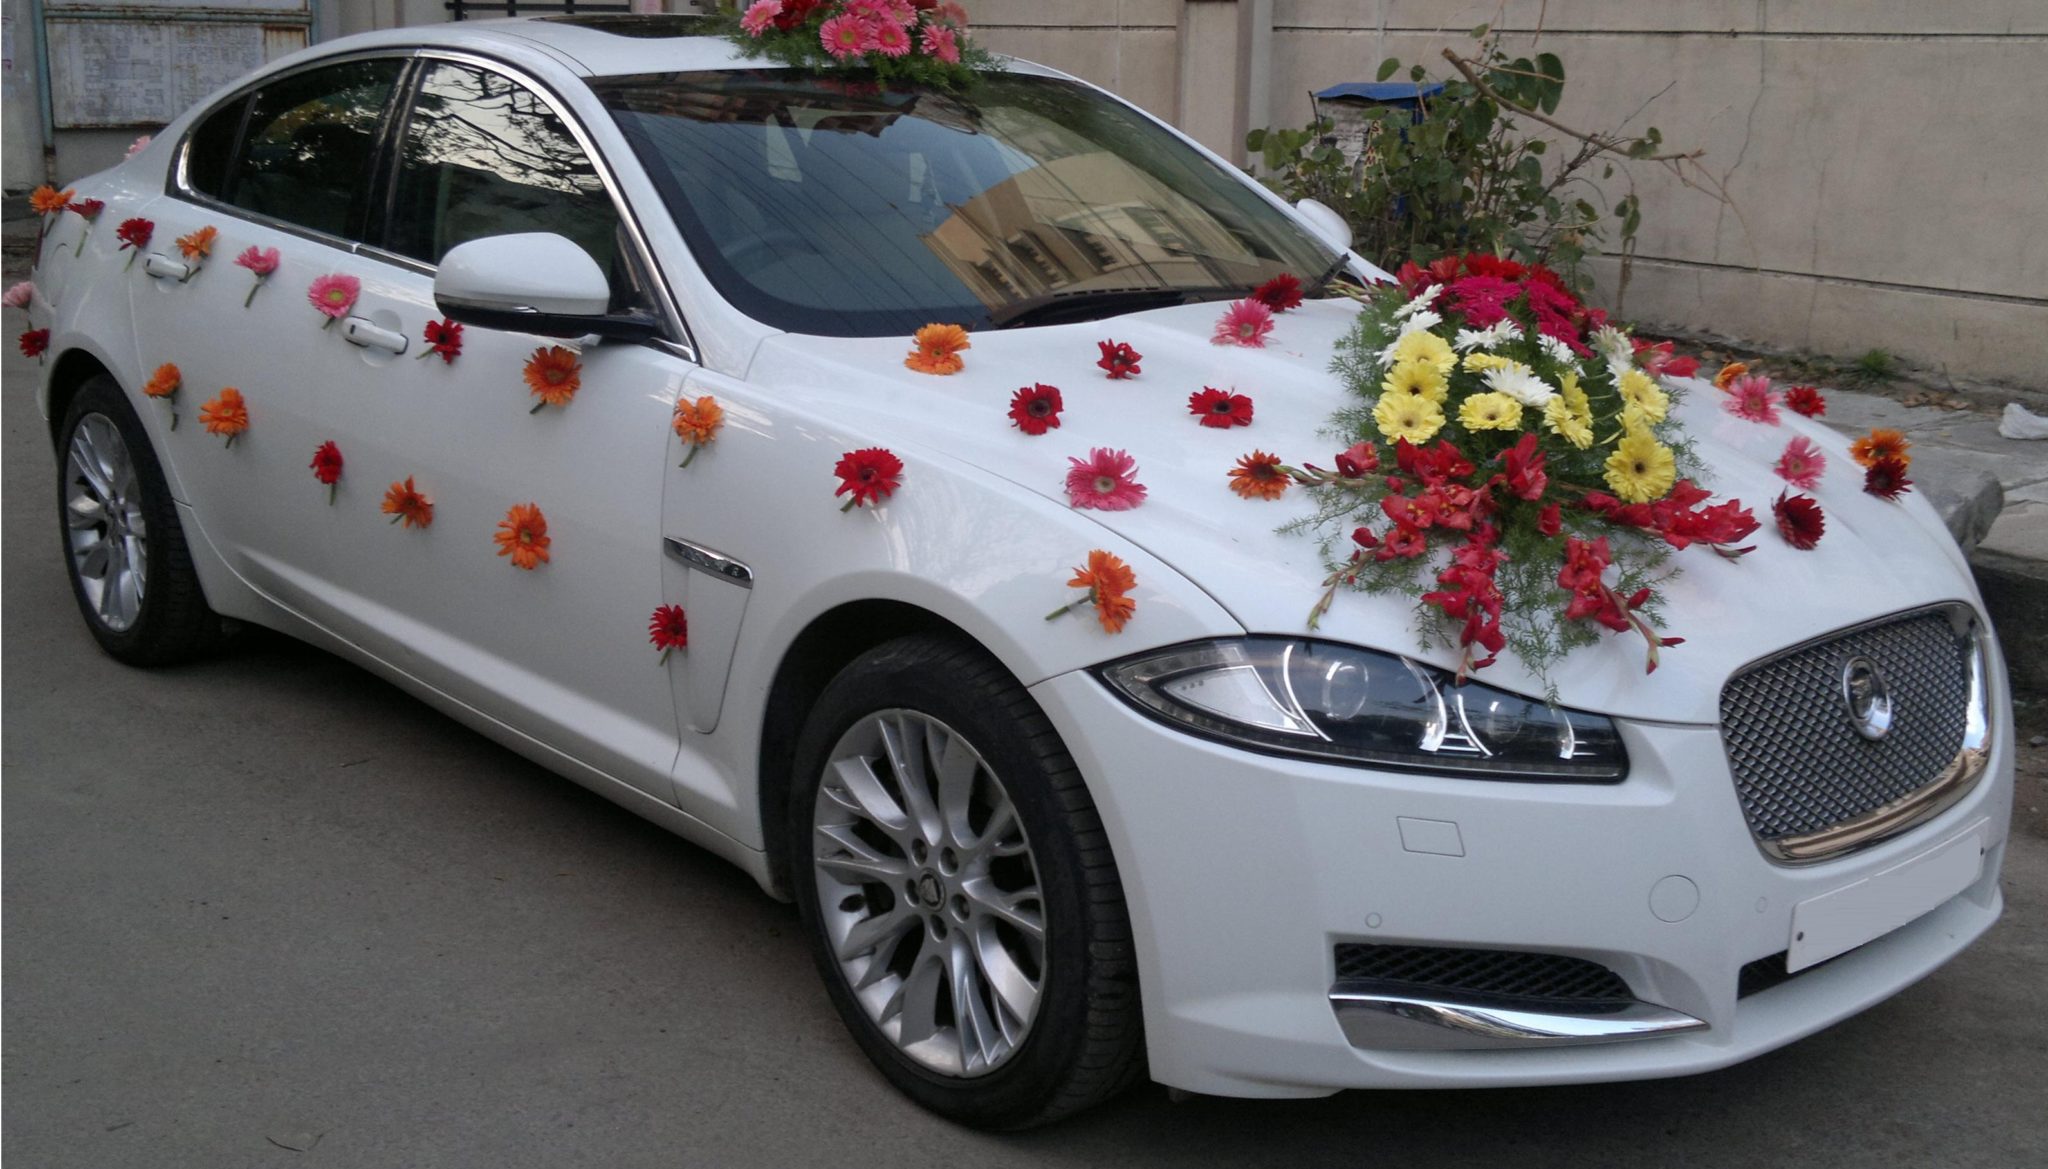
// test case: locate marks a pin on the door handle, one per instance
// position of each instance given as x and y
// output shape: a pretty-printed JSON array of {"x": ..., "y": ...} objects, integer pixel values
[
  {"x": 164, "y": 268},
  {"x": 360, "y": 331}
]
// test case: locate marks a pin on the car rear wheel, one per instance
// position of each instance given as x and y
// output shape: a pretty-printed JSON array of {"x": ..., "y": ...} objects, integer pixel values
[
  {"x": 959, "y": 892},
  {"x": 124, "y": 549}
]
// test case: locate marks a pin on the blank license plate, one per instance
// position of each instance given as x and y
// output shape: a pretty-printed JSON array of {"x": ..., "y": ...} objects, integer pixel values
[{"x": 1835, "y": 923}]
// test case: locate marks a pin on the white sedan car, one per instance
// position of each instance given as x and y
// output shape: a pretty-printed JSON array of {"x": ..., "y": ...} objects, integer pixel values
[{"x": 472, "y": 272}]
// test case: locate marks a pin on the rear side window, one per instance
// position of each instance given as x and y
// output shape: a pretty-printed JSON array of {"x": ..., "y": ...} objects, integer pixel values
[
  {"x": 484, "y": 155},
  {"x": 212, "y": 148},
  {"x": 307, "y": 154}
]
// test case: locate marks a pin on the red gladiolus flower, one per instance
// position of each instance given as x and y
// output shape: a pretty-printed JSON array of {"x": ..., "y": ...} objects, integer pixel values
[
  {"x": 1036, "y": 409},
  {"x": 870, "y": 475},
  {"x": 1550, "y": 521},
  {"x": 444, "y": 338},
  {"x": 1886, "y": 479},
  {"x": 1800, "y": 520},
  {"x": 1220, "y": 409},
  {"x": 1523, "y": 464},
  {"x": 1358, "y": 461},
  {"x": 1119, "y": 359},
  {"x": 1403, "y": 542},
  {"x": 34, "y": 343},
  {"x": 669, "y": 629},
  {"x": 1806, "y": 400},
  {"x": 1281, "y": 293}
]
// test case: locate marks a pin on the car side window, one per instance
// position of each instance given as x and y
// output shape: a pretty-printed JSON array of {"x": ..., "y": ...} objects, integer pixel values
[
  {"x": 311, "y": 141},
  {"x": 211, "y": 148},
  {"x": 483, "y": 155}
]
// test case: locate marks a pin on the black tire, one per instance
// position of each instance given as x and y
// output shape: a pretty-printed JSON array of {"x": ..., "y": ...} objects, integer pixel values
[
  {"x": 171, "y": 623},
  {"x": 1085, "y": 1042}
]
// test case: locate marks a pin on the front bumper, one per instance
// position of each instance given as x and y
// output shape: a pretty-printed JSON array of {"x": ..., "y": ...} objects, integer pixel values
[{"x": 1243, "y": 872}]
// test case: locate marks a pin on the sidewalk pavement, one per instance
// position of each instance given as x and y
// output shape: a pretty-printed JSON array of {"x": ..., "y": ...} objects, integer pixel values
[{"x": 1992, "y": 490}]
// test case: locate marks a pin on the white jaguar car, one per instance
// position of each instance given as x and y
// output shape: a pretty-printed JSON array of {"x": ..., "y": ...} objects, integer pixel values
[{"x": 384, "y": 347}]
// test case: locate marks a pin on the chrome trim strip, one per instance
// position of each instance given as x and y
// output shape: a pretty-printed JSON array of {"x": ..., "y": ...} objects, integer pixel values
[
  {"x": 1380, "y": 1016},
  {"x": 1950, "y": 784},
  {"x": 706, "y": 561}
]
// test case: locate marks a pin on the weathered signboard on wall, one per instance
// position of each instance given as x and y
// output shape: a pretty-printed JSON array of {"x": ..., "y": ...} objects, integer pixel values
[{"x": 140, "y": 64}]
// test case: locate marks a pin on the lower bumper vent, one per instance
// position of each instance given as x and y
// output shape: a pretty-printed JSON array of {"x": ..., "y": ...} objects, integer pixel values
[{"x": 1507, "y": 974}]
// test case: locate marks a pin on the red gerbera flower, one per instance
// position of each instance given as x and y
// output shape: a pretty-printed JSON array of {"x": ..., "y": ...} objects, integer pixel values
[
  {"x": 35, "y": 343},
  {"x": 87, "y": 209},
  {"x": 1800, "y": 519},
  {"x": 134, "y": 233},
  {"x": 1119, "y": 359},
  {"x": 1246, "y": 322},
  {"x": 871, "y": 475},
  {"x": 327, "y": 467},
  {"x": 1281, "y": 293},
  {"x": 444, "y": 338},
  {"x": 1806, "y": 400},
  {"x": 1886, "y": 478},
  {"x": 1036, "y": 409},
  {"x": 669, "y": 630},
  {"x": 1220, "y": 409}
]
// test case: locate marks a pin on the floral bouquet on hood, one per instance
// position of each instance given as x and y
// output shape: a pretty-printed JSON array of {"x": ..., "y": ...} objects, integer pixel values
[
  {"x": 1514, "y": 463},
  {"x": 919, "y": 42}
]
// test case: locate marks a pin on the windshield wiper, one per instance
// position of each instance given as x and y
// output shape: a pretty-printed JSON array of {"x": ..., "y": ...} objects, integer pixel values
[{"x": 1087, "y": 305}]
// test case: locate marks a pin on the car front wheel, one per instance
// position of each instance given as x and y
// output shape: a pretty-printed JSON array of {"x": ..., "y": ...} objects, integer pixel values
[{"x": 959, "y": 891}]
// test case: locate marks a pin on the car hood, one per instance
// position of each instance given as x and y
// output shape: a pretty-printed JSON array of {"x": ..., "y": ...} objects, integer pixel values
[{"x": 1876, "y": 557}]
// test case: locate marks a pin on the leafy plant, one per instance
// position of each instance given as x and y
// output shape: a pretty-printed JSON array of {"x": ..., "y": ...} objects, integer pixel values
[
  {"x": 1874, "y": 368},
  {"x": 1483, "y": 165}
]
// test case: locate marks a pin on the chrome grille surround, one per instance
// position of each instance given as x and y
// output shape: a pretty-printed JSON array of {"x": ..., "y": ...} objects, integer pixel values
[{"x": 1811, "y": 786}]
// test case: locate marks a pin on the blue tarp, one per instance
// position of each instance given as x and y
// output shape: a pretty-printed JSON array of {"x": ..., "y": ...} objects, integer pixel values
[{"x": 1385, "y": 92}]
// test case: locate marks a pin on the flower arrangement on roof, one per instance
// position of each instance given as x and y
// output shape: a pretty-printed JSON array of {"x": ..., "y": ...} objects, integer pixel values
[
  {"x": 916, "y": 42},
  {"x": 1514, "y": 451}
]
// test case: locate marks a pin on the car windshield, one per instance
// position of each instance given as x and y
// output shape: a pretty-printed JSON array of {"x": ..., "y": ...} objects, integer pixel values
[{"x": 841, "y": 207}]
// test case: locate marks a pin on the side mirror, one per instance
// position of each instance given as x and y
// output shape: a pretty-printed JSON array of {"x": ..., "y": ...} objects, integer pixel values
[
  {"x": 533, "y": 282},
  {"x": 1324, "y": 223}
]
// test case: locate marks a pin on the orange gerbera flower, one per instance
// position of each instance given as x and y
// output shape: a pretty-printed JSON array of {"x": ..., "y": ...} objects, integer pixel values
[
  {"x": 1259, "y": 476},
  {"x": 406, "y": 503},
  {"x": 48, "y": 200},
  {"x": 697, "y": 423},
  {"x": 226, "y": 414},
  {"x": 523, "y": 535},
  {"x": 1881, "y": 444},
  {"x": 938, "y": 349},
  {"x": 1729, "y": 373},
  {"x": 554, "y": 376},
  {"x": 164, "y": 382},
  {"x": 1107, "y": 580},
  {"x": 199, "y": 244}
]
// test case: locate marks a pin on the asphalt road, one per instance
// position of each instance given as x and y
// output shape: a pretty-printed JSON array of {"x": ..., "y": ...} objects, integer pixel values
[{"x": 268, "y": 911}]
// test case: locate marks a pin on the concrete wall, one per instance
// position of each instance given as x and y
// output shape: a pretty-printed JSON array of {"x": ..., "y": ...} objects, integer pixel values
[{"x": 1885, "y": 158}]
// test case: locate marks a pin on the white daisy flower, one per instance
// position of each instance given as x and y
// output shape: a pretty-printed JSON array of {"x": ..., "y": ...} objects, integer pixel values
[
  {"x": 1499, "y": 332},
  {"x": 1558, "y": 351},
  {"x": 1421, "y": 302},
  {"x": 1517, "y": 382},
  {"x": 1614, "y": 345}
]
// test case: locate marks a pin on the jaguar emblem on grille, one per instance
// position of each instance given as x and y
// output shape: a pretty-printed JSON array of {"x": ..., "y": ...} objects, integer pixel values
[{"x": 1869, "y": 702}]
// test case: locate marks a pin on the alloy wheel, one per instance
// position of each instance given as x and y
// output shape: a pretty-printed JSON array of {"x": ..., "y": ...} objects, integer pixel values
[{"x": 104, "y": 525}]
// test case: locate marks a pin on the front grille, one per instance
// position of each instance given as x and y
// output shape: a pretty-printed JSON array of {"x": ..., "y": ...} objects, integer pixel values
[
  {"x": 1495, "y": 973},
  {"x": 1798, "y": 762}
]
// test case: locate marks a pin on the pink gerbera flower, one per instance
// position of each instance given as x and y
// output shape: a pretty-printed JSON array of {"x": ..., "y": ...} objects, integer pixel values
[
  {"x": 760, "y": 15},
  {"x": 20, "y": 295},
  {"x": 1801, "y": 464},
  {"x": 846, "y": 35},
  {"x": 333, "y": 294},
  {"x": 941, "y": 43},
  {"x": 888, "y": 38},
  {"x": 1751, "y": 397},
  {"x": 1106, "y": 480},
  {"x": 1245, "y": 322}
]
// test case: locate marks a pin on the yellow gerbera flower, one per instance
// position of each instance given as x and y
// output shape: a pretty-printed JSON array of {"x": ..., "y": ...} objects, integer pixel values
[
  {"x": 1410, "y": 416},
  {"x": 1490, "y": 411},
  {"x": 1428, "y": 348},
  {"x": 1641, "y": 468},
  {"x": 1481, "y": 362},
  {"x": 1575, "y": 397},
  {"x": 1642, "y": 402},
  {"x": 1567, "y": 423},
  {"x": 1415, "y": 379}
]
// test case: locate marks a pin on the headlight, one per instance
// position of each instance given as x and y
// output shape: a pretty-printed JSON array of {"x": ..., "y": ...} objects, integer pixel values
[{"x": 1342, "y": 704}]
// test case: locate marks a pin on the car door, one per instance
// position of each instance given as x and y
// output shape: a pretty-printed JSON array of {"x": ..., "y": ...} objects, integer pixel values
[
  {"x": 284, "y": 168},
  {"x": 559, "y": 650}
]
